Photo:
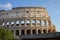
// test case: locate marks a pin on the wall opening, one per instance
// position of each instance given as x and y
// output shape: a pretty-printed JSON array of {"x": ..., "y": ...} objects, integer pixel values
[
  {"x": 39, "y": 31},
  {"x": 44, "y": 31},
  {"x": 22, "y": 32},
  {"x": 34, "y": 31},
  {"x": 28, "y": 31},
  {"x": 17, "y": 23},
  {"x": 17, "y": 32}
]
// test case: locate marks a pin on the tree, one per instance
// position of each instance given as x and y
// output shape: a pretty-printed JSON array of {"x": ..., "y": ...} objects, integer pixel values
[{"x": 6, "y": 34}]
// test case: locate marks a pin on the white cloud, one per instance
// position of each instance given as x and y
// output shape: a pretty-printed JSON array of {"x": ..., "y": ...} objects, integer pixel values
[{"x": 7, "y": 6}]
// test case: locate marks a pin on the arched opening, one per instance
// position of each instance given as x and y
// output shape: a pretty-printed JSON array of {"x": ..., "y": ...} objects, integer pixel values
[
  {"x": 49, "y": 31},
  {"x": 17, "y": 23},
  {"x": 28, "y": 31},
  {"x": 22, "y": 32},
  {"x": 44, "y": 31},
  {"x": 53, "y": 30},
  {"x": 17, "y": 32},
  {"x": 39, "y": 31},
  {"x": 28, "y": 22},
  {"x": 38, "y": 22},
  {"x": 22, "y": 22},
  {"x": 34, "y": 31},
  {"x": 42, "y": 23},
  {"x": 33, "y": 22},
  {"x": 7, "y": 24},
  {"x": 27, "y": 11},
  {"x": 12, "y": 23}
]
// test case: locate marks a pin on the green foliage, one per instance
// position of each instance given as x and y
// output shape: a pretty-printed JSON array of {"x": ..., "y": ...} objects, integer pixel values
[{"x": 6, "y": 34}]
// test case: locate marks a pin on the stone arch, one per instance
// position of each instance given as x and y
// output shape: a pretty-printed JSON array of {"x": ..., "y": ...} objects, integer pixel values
[
  {"x": 49, "y": 31},
  {"x": 12, "y": 23},
  {"x": 39, "y": 31},
  {"x": 7, "y": 24},
  {"x": 33, "y": 31},
  {"x": 17, "y": 23},
  {"x": 22, "y": 22},
  {"x": 42, "y": 22},
  {"x": 27, "y": 22},
  {"x": 44, "y": 31},
  {"x": 17, "y": 32},
  {"x": 22, "y": 32},
  {"x": 33, "y": 21},
  {"x": 28, "y": 31},
  {"x": 38, "y": 22},
  {"x": 53, "y": 30}
]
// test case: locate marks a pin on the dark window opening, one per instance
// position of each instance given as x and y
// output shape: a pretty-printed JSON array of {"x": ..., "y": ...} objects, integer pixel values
[
  {"x": 17, "y": 24},
  {"x": 39, "y": 31},
  {"x": 27, "y": 11},
  {"x": 48, "y": 31},
  {"x": 22, "y": 24},
  {"x": 28, "y": 31},
  {"x": 22, "y": 32},
  {"x": 44, "y": 31},
  {"x": 17, "y": 32},
  {"x": 28, "y": 23},
  {"x": 7, "y": 25},
  {"x": 34, "y": 32},
  {"x": 12, "y": 25},
  {"x": 53, "y": 30}
]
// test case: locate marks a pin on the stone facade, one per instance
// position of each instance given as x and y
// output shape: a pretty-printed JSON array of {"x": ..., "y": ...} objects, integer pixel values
[{"x": 27, "y": 20}]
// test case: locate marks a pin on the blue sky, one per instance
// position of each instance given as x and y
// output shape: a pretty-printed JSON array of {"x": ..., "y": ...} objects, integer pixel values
[{"x": 52, "y": 7}]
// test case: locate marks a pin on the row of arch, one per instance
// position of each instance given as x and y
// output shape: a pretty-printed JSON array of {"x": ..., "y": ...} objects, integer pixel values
[
  {"x": 27, "y": 22},
  {"x": 33, "y": 32}
]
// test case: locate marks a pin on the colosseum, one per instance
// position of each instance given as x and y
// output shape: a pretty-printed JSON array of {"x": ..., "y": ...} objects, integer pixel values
[{"x": 28, "y": 23}]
